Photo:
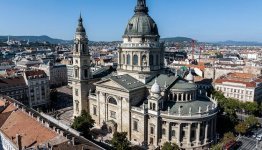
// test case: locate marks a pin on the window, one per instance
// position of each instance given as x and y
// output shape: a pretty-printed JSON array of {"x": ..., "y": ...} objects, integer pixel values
[
  {"x": 151, "y": 60},
  {"x": 76, "y": 92},
  {"x": 76, "y": 48},
  {"x": 135, "y": 60},
  {"x": 111, "y": 100},
  {"x": 143, "y": 39},
  {"x": 84, "y": 48},
  {"x": 85, "y": 73},
  {"x": 124, "y": 59},
  {"x": 135, "y": 124},
  {"x": 76, "y": 73},
  {"x": 157, "y": 60},
  {"x": 154, "y": 106},
  {"x": 129, "y": 39},
  {"x": 151, "y": 130},
  {"x": 130, "y": 26},
  {"x": 113, "y": 114},
  {"x": 163, "y": 131},
  {"x": 173, "y": 133},
  {"x": 94, "y": 110},
  {"x": 77, "y": 106},
  {"x": 151, "y": 140},
  {"x": 128, "y": 59}
]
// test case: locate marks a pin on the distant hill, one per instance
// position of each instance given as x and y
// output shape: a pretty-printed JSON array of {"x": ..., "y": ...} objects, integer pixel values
[
  {"x": 42, "y": 38},
  {"x": 176, "y": 39},
  {"x": 239, "y": 43}
]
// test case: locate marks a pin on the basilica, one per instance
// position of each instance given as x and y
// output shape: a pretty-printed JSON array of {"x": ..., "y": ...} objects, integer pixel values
[{"x": 143, "y": 98}]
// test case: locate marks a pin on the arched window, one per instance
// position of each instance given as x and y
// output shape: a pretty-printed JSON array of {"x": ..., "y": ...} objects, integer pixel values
[
  {"x": 111, "y": 100},
  {"x": 124, "y": 59},
  {"x": 151, "y": 60},
  {"x": 128, "y": 59},
  {"x": 76, "y": 48},
  {"x": 135, "y": 60}
]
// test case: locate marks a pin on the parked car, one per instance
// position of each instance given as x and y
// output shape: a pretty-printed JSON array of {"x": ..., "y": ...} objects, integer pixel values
[{"x": 259, "y": 137}]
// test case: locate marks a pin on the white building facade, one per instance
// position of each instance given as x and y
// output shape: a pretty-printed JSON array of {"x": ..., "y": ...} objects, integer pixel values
[{"x": 38, "y": 88}]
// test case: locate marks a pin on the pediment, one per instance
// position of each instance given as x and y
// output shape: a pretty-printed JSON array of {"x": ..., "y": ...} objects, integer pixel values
[{"x": 110, "y": 84}]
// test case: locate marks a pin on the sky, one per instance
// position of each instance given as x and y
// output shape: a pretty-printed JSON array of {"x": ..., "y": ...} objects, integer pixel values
[{"x": 105, "y": 20}]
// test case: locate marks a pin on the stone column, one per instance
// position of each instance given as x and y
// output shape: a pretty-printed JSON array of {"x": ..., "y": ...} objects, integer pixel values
[
  {"x": 186, "y": 96},
  {"x": 189, "y": 134},
  {"x": 198, "y": 133},
  {"x": 168, "y": 131},
  {"x": 119, "y": 58},
  {"x": 98, "y": 106},
  {"x": 206, "y": 132},
  {"x": 215, "y": 129},
  {"x": 104, "y": 95},
  {"x": 178, "y": 134},
  {"x": 212, "y": 130}
]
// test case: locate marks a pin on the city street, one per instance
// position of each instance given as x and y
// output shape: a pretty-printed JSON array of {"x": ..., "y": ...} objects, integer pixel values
[{"x": 248, "y": 143}]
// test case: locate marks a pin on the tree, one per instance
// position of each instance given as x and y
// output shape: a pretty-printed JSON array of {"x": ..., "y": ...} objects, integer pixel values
[
  {"x": 83, "y": 123},
  {"x": 241, "y": 128},
  {"x": 120, "y": 141},
  {"x": 251, "y": 121},
  {"x": 218, "y": 146},
  {"x": 251, "y": 107},
  {"x": 229, "y": 136},
  {"x": 170, "y": 146}
]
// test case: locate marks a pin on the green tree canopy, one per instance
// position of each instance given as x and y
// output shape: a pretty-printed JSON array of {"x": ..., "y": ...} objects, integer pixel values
[
  {"x": 229, "y": 136},
  {"x": 120, "y": 141},
  {"x": 83, "y": 123},
  {"x": 251, "y": 107},
  {"x": 218, "y": 146},
  {"x": 241, "y": 128},
  {"x": 170, "y": 146},
  {"x": 251, "y": 121}
]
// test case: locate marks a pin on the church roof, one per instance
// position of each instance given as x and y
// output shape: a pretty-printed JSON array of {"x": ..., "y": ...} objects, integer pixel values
[
  {"x": 185, "y": 107},
  {"x": 127, "y": 82},
  {"x": 183, "y": 85},
  {"x": 163, "y": 80}
]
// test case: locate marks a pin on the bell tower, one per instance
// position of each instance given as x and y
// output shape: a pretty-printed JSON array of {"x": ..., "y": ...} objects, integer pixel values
[{"x": 82, "y": 73}]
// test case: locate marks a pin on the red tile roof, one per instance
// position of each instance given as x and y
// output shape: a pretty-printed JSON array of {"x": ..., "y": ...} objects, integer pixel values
[
  {"x": 35, "y": 73},
  {"x": 12, "y": 81},
  {"x": 250, "y": 80},
  {"x": 31, "y": 131}
]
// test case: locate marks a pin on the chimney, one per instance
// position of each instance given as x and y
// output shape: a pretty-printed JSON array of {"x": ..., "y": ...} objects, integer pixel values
[{"x": 19, "y": 141}]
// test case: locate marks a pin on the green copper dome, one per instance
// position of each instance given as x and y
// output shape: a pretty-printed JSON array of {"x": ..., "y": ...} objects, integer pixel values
[{"x": 141, "y": 23}]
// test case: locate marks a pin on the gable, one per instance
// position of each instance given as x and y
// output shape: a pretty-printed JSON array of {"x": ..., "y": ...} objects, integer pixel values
[{"x": 110, "y": 84}]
